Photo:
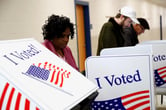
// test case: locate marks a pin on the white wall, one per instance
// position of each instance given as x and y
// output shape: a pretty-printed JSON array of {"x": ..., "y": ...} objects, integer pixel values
[{"x": 24, "y": 18}]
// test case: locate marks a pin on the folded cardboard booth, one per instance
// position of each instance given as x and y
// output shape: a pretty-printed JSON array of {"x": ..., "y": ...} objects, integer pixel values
[
  {"x": 124, "y": 77},
  {"x": 159, "y": 62},
  {"x": 159, "y": 65},
  {"x": 31, "y": 76}
]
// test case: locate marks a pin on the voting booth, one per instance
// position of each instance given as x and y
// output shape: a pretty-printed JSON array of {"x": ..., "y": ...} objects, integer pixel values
[
  {"x": 159, "y": 65},
  {"x": 13, "y": 97},
  {"x": 159, "y": 61},
  {"x": 125, "y": 81},
  {"x": 31, "y": 76}
]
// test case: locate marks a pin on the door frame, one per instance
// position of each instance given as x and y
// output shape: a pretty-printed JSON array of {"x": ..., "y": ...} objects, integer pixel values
[{"x": 86, "y": 26}]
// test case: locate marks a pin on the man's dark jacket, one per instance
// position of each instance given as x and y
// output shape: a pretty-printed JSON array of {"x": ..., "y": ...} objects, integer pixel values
[
  {"x": 130, "y": 36},
  {"x": 110, "y": 36}
]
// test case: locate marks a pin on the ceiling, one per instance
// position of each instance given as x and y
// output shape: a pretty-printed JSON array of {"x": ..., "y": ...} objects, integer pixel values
[{"x": 158, "y": 2}]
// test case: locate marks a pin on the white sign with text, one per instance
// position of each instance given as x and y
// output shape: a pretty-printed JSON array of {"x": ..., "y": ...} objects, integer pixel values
[
  {"x": 125, "y": 81},
  {"x": 42, "y": 76},
  {"x": 159, "y": 60}
]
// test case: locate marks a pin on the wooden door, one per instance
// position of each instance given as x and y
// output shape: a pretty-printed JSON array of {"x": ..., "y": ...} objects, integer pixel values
[{"x": 81, "y": 37}]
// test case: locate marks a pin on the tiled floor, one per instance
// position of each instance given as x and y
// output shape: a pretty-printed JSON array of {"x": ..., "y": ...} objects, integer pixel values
[{"x": 160, "y": 106}]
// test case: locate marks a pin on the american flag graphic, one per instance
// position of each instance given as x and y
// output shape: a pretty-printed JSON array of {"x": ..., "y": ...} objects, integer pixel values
[
  {"x": 160, "y": 76},
  {"x": 12, "y": 99},
  {"x": 135, "y": 101},
  {"x": 48, "y": 72}
]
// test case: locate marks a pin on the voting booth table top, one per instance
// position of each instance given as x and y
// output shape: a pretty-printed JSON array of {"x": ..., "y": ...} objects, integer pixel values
[
  {"x": 125, "y": 80},
  {"x": 32, "y": 77}
]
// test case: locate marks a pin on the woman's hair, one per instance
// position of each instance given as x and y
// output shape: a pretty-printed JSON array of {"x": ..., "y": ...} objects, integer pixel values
[{"x": 55, "y": 26}]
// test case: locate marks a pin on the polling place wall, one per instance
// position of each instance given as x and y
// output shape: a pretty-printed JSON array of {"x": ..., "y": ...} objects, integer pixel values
[{"x": 24, "y": 19}]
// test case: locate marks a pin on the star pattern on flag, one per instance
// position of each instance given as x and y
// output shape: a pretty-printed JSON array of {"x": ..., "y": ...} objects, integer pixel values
[
  {"x": 115, "y": 104},
  {"x": 159, "y": 80}
]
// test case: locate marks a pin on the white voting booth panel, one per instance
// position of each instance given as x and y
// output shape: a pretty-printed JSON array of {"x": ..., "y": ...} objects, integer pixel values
[
  {"x": 43, "y": 77},
  {"x": 159, "y": 63},
  {"x": 12, "y": 98},
  {"x": 125, "y": 81},
  {"x": 131, "y": 50},
  {"x": 153, "y": 42},
  {"x": 142, "y": 48}
]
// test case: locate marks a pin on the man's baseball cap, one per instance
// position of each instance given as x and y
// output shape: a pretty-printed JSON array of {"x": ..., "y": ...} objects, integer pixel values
[
  {"x": 144, "y": 23},
  {"x": 129, "y": 12}
]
